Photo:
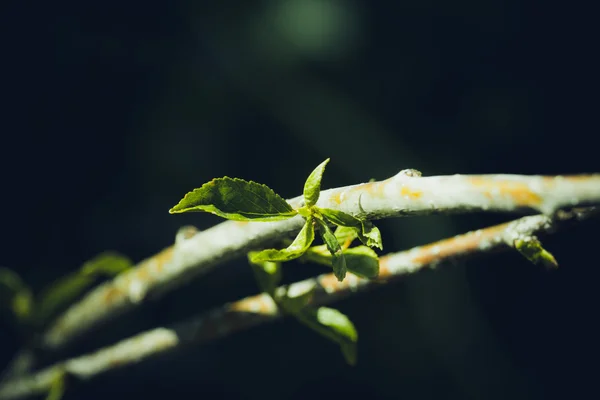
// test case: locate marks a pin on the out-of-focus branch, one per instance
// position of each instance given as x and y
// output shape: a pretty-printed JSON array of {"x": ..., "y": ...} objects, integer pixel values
[
  {"x": 21, "y": 363},
  {"x": 258, "y": 309},
  {"x": 406, "y": 193}
]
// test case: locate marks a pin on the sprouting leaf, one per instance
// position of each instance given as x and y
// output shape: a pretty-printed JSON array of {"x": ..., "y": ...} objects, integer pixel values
[
  {"x": 532, "y": 249},
  {"x": 267, "y": 273},
  {"x": 297, "y": 296},
  {"x": 300, "y": 244},
  {"x": 365, "y": 230},
  {"x": 335, "y": 326},
  {"x": 312, "y": 186},
  {"x": 66, "y": 289},
  {"x": 236, "y": 199},
  {"x": 338, "y": 260}
]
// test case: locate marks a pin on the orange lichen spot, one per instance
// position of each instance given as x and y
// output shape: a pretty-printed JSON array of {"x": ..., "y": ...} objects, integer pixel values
[
  {"x": 265, "y": 305},
  {"x": 336, "y": 198},
  {"x": 147, "y": 269},
  {"x": 259, "y": 304},
  {"x": 373, "y": 188},
  {"x": 159, "y": 267},
  {"x": 157, "y": 262},
  {"x": 330, "y": 283},
  {"x": 187, "y": 232},
  {"x": 439, "y": 250},
  {"x": 520, "y": 193},
  {"x": 142, "y": 273},
  {"x": 241, "y": 223},
  {"x": 456, "y": 245},
  {"x": 114, "y": 363},
  {"x": 422, "y": 257},
  {"x": 413, "y": 194},
  {"x": 384, "y": 269},
  {"x": 164, "y": 256},
  {"x": 112, "y": 295},
  {"x": 245, "y": 305}
]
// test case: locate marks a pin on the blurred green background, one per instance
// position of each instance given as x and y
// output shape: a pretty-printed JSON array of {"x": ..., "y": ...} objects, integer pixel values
[{"x": 114, "y": 110}]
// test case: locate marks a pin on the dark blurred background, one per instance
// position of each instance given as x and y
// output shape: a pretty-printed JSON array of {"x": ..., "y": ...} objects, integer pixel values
[{"x": 114, "y": 110}]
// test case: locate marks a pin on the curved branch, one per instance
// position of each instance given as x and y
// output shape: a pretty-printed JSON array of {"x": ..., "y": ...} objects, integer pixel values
[
  {"x": 406, "y": 193},
  {"x": 258, "y": 309}
]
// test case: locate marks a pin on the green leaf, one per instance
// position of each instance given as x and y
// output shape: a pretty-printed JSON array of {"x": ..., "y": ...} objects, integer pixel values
[
  {"x": 345, "y": 235},
  {"x": 305, "y": 211},
  {"x": 236, "y": 199},
  {"x": 318, "y": 254},
  {"x": 14, "y": 292},
  {"x": 296, "y": 249},
  {"x": 66, "y": 289},
  {"x": 23, "y": 304},
  {"x": 532, "y": 249},
  {"x": 365, "y": 230},
  {"x": 370, "y": 235},
  {"x": 360, "y": 260},
  {"x": 312, "y": 186},
  {"x": 337, "y": 321},
  {"x": 335, "y": 326},
  {"x": 58, "y": 387},
  {"x": 340, "y": 218},
  {"x": 267, "y": 274},
  {"x": 338, "y": 260},
  {"x": 108, "y": 263},
  {"x": 297, "y": 297}
]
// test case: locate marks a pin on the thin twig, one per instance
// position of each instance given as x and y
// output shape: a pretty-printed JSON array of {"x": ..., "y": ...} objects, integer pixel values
[
  {"x": 406, "y": 193},
  {"x": 258, "y": 309}
]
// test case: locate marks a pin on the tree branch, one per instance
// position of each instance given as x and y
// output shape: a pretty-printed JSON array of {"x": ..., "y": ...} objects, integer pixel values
[
  {"x": 258, "y": 309},
  {"x": 406, "y": 193}
]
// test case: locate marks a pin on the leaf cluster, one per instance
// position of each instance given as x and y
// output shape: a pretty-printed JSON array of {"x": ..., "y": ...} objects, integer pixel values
[{"x": 240, "y": 200}]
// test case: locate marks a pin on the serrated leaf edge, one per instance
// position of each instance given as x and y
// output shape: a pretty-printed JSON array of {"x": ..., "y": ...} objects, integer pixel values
[{"x": 214, "y": 210}]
